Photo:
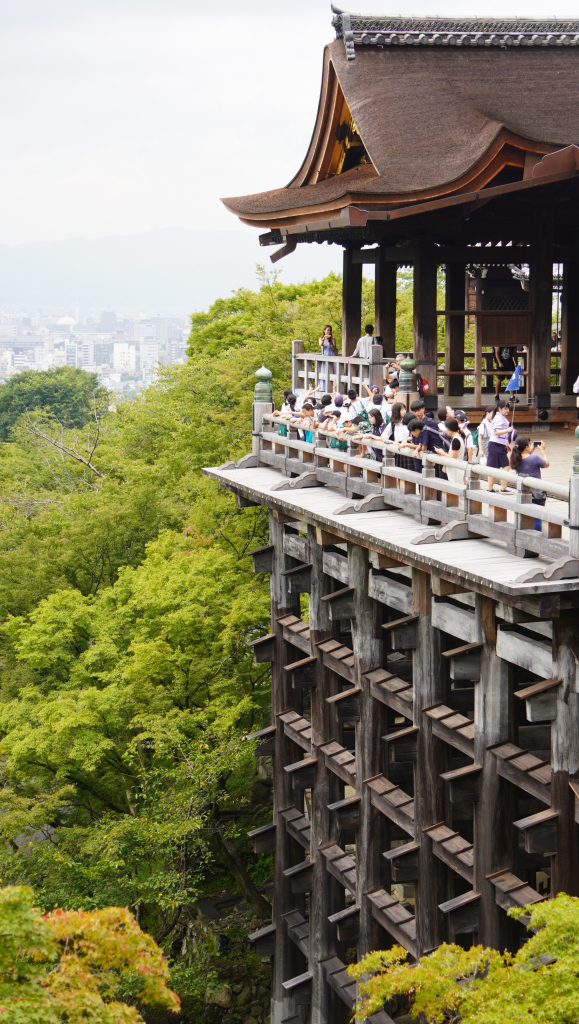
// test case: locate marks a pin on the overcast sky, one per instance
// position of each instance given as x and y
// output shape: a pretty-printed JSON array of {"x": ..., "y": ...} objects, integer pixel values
[{"x": 120, "y": 116}]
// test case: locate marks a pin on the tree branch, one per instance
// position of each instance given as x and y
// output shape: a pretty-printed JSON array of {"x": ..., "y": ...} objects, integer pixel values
[
  {"x": 227, "y": 851},
  {"x": 168, "y": 927},
  {"x": 64, "y": 448}
]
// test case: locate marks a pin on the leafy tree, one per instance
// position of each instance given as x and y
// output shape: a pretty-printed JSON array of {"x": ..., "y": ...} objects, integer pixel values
[
  {"x": 483, "y": 986},
  {"x": 71, "y": 965},
  {"x": 101, "y": 811},
  {"x": 65, "y": 392},
  {"x": 276, "y": 312}
]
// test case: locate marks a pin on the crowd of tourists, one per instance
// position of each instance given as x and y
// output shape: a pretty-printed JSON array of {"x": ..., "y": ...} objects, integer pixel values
[{"x": 353, "y": 420}]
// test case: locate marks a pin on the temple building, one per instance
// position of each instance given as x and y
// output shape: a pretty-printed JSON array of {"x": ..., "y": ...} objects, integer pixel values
[
  {"x": 424, "y": 637},
  {"x": 436, "y": 139}
]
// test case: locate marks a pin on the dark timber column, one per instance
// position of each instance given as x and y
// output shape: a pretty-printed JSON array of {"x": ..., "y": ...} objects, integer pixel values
[
  {"x": 324, "y": 897},
  {"x": 494, "y": 835},
  {"x": 570, "y": 328},
  {"x": 565, "y": 757},
  {"x": 541, "y": 300},
  {"x": 351, "y": 303},
  {"x": 454, "y": 327},
  {"x": 425, "y": 341},
  {"x": 385, "y": 303},
  {"x": 428, "y": 786},
  {"x": 367, "y": 652},
  {"x": 285, "y": 961}
]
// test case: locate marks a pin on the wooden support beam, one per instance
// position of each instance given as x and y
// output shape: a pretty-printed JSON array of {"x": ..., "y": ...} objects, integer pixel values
[
  {"x": 565, "y": 756},
  {"x": 347, "y": 923},
  {"x": 283, "y": 606},
  {"x": 263, "y": 940},
  {"x": 425, "y": 322},
  {"x": 541, "y": 298},
  {"x": 347, "y": 813},
  {"x": 262, "y": 558},
  {"x": 385, "y": 304},
  {"x": 454, "y": 326},
  {"x": 570, "y": 327},
  {"x": 263, "y": 648},
  {"x": 326, "y": 896},
  {"x": 463, "y": 913},
  {"x": 367, "y": 653},
  {"x": 341, "y": 603},
  {"x": 264, "y": 838},
  {"x": 299, "y": 579},
  {"x": 429, "y": 790},
  {"x": 351, "y": 303},
  {"x": 300, "y": 877},
  {"x": 541, "y": 700}
]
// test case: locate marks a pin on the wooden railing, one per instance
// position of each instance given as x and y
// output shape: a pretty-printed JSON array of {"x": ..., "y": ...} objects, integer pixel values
[
  {"x": 310, "y": 369},
  {"x": 430, "y": 499}
]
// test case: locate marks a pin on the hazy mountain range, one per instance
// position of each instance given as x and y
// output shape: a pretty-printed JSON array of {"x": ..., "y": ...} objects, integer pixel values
[{"x": 166, "y": 269}]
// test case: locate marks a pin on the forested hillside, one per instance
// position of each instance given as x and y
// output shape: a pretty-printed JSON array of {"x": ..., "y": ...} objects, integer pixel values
[{"x": 126, "y": 605}]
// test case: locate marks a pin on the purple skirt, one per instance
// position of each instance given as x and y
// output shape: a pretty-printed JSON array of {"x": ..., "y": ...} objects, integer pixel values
[{"x": 497, "y": 457}]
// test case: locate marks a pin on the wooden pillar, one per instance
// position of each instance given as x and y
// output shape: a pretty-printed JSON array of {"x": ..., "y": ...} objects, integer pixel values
[
  {"x": 541, "y": 302},
  {"x": 570, "y": 327},
  {"x": 385, "y": 304},
  {"x": 454, "y": 327},
  {"x": 565, "y": 757},
  {"x": 325, "y": 897},
  {"x": 351, "y": 303},
  {"x": 478, "y": 336},
  {"x": 425, "y": 320},
  {"x": 368, "y": 654},
  {"x": 428, "y": 786},
  {"x": 494, "y": 812},
  {"x": 286, "y": 963}
]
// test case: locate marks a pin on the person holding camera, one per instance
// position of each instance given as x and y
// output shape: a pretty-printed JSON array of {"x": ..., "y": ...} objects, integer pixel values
[{"x": 528, "y": 459}]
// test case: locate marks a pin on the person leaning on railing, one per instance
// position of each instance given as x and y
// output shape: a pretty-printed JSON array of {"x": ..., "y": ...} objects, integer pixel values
[
  {"x": 528, "y": 459},
  {"x": 456, "y": 451},
  {"x": 413, "y": 443}
]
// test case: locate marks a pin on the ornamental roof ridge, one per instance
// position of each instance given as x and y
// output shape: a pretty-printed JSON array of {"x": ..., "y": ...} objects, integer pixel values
[{"x": 397, "y": 30}]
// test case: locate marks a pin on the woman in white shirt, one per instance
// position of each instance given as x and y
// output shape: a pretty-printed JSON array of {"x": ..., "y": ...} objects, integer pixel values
[
  {"x": 497, "y": 457},
  {"x": 398, "y": 431},
  {"x": 457, "y": 445}
]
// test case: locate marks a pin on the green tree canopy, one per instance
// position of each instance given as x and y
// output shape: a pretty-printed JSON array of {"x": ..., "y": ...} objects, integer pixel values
[
  {"x": 65, "y": 392},
  {"x": 483, "y": 986}
]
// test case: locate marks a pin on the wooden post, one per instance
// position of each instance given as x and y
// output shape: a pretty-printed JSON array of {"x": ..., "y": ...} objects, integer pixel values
[
  {"x": 286, "y": 964},
  {"x": 570, "y": 327},
  {"x": 368, "y": 653},
  {"x": 565, "y": 757},
  {"x": 541, "y": 301},
  {"x": 574, "y": 516},
  {"x": 325, "y": 897},
  {"x": 425, "y": 321},
  {"x": 454, "y": 327},
  {"x": 297, "y": 349},
  {"x": 478, "y": 336},
  {"x": 351, "y": 303},
  {"x": 385, "y": 304},
  {"x": 494, "y": 835},
  {"x": 428, "y": 787}
]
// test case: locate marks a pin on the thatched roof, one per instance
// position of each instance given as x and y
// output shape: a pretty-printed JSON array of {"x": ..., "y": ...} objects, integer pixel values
[{"x": 440, "y": 111}]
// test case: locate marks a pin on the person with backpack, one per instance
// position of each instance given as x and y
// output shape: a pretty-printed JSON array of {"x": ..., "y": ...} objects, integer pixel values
[{"x": 484, "y": 432}]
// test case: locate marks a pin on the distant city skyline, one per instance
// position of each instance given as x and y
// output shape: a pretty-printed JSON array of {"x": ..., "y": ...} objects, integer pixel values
[{"x": 124, "y": 352}]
